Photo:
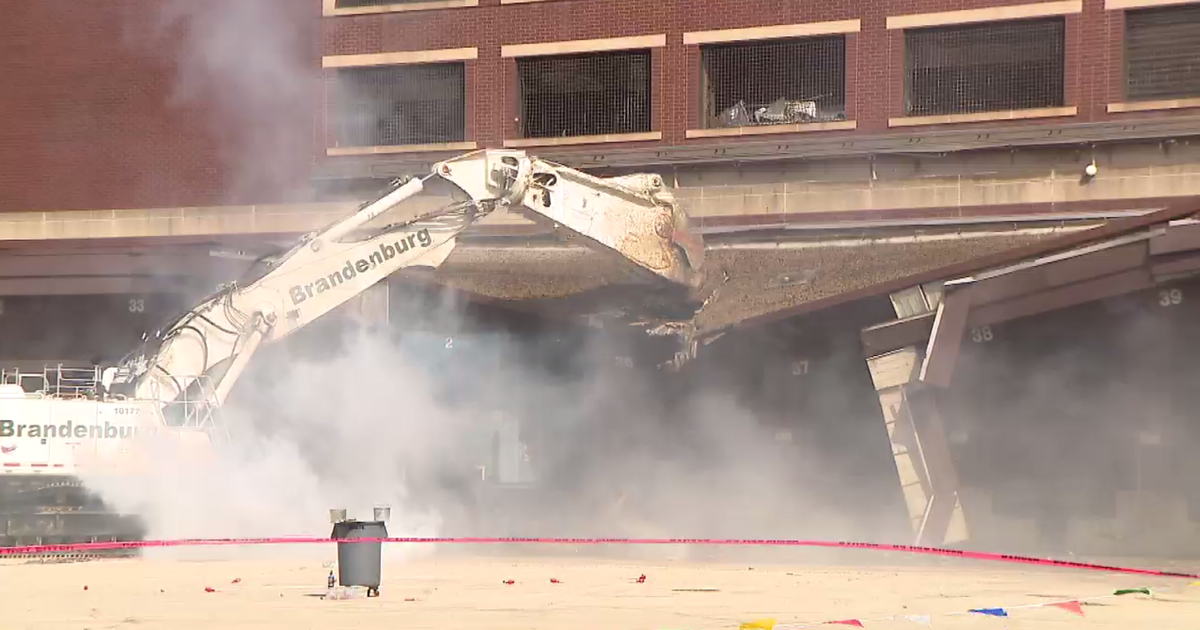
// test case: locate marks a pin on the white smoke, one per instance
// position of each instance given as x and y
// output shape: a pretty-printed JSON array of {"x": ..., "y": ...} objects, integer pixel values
[{"x": 250, "y": 69}]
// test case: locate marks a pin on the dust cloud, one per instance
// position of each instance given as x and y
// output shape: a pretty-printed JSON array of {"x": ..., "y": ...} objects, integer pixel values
[
  {"x": 342, "y": 416},
  {"x": 251, "y": 70}
]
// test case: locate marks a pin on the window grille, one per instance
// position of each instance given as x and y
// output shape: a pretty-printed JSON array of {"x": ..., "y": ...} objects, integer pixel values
[
  {"x": 984, "y": 67},
  {"x": 355, "y": 4},
  {"x": 785, "y": 81},
  {"x": 1162, "y": 53},
  {"x": 585, "y": 94},
  {"x": 400, "y": 105}
]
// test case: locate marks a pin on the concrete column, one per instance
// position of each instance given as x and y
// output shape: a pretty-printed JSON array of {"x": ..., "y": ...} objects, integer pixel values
[
  {"x": 928, "y": 477},
  {"x": 372, "y": 307}
]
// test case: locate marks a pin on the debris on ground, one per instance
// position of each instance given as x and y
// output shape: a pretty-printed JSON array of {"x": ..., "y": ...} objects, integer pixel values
[{"x": 339, "y": 593}]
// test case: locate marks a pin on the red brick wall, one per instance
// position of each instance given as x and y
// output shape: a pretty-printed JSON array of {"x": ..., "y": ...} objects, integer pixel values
[
  {"x": 92, "y": 114},
  {"x": 874, "y": 56},
  {"x": 99, "y": 110}
]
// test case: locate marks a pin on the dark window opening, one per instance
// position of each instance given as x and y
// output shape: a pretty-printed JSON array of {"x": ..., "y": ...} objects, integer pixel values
[
  {"x": 1162, "y": 53},
  {"x": 355, "y": 4},
  {"x": 585, "y": 95},
  {"x": 400, "y": 105},
  {"x": 984, "y": 67},
  {"x": 785, "y": 81}
]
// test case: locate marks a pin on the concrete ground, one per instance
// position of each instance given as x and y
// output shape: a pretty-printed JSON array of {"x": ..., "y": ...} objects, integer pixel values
[{"x": 448, "y": 593}]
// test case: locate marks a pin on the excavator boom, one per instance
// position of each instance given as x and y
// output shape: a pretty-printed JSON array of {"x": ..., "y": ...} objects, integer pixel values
[
  {"x": 172, "y": 385},
  {"x": 634, "y": 216}
]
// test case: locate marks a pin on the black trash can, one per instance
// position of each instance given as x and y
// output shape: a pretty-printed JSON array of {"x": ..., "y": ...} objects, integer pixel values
[{"x": 360, "y": 564}]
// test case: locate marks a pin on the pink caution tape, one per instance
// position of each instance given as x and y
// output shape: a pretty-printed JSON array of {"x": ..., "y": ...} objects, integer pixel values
[{"x": 935, "y": 551}]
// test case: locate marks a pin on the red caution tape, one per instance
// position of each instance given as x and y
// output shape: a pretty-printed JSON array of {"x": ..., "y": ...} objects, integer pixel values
[{"x": 935, "y": 551}]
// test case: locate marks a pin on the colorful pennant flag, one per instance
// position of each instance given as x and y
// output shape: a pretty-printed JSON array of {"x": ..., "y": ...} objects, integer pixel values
[{"x": 1071, "y": 606}]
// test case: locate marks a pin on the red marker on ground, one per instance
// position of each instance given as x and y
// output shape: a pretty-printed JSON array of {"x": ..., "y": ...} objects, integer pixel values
[
  {"x": 509, "y": 582},
  {"x": 641, "y": 579},
  {"x": 209, "y": 589}
]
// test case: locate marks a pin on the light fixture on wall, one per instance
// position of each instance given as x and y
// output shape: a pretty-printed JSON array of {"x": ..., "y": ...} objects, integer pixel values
[{"x": 1091, "y": 169}]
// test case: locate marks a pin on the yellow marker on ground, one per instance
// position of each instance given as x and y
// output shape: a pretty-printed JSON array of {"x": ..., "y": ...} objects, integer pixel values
[{"x": 758, "y": 624}]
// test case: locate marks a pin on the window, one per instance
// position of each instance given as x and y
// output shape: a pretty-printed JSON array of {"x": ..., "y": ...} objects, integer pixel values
[
  {"x": 785, "y": 81},
  {"x": 400, "y": 105},
  {"x": 585, "y": 94},
  {"x": 1162, "y": 53},
  {"x": 984, "y": 67}
]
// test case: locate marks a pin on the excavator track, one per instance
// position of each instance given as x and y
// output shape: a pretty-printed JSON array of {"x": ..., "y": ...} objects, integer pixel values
[{"x": 61, "y": 511}]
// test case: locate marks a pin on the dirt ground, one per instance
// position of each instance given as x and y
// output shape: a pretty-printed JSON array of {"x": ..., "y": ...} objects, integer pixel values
[{"x": 448, "y": 593}]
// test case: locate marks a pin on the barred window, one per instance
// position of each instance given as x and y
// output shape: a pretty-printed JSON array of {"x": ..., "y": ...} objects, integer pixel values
[
  {"x": 984, "y": 67},
  {"x": 585, "y": 94},
  {"x": 1162, "y": 53},
  {"x": 784, "y": 81},
  {"x": 400, "y": 105}
]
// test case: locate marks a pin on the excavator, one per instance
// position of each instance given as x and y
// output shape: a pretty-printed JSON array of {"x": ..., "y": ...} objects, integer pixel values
[{"x": 58, "y": 427}]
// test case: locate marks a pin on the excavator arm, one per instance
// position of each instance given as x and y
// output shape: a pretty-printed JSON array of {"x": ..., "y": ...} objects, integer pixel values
[{"x": 199, "y": 356}]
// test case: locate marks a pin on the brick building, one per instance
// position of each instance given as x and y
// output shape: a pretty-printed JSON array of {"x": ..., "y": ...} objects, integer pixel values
[
  {"x": 910, "y": 143},
  {"x": 117, "y": 103}
]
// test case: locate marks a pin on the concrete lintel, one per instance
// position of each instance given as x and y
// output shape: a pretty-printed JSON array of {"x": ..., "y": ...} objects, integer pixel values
[{"x": 95, "y": 286}]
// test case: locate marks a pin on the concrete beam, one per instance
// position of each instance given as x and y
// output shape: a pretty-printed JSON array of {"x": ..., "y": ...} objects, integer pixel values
[
  {"x": 945, "y": 340},
  {"x": 897, "y": 334},
  {"x": 30, "y": 265},
  {"x": 205, "y": 221},
  {"x": 924, "y": 465},
  {"x": 98, "y": 285}
]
